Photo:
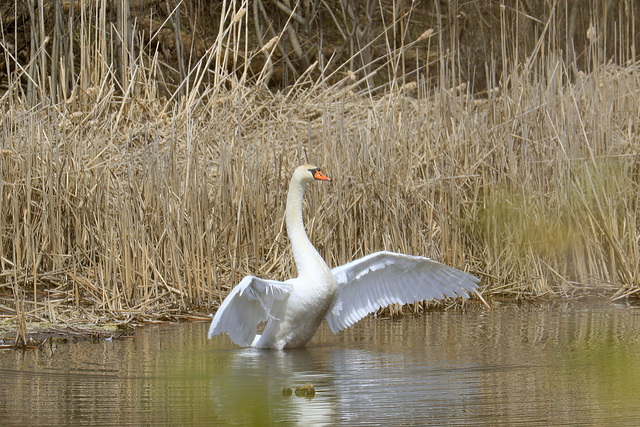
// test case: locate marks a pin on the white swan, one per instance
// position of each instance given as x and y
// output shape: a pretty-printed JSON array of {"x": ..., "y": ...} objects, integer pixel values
[{"x": 295, "y": 308}]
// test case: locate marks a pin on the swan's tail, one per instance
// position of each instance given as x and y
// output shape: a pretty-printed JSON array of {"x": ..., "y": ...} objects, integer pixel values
[{"x": 255, "y": 340}]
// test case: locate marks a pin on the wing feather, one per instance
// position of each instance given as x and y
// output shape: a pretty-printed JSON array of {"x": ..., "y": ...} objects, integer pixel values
[
  {"x": 248, "y": 304},
  {"x": 384, "y": 278}
]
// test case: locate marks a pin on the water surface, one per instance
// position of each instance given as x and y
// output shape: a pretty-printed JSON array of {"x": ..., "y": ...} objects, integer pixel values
[{"x": 568, "y": 364}]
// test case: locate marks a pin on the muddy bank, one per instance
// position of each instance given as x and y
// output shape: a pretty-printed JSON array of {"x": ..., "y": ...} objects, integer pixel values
[{"x": 34, "y": 335}]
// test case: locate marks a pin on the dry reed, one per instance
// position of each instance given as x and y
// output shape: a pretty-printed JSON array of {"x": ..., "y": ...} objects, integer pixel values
[{"x": 119, "y": 203}]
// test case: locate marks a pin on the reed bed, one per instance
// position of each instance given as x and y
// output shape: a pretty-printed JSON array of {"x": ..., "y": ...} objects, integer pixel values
[{"x": 121, "y": 204}]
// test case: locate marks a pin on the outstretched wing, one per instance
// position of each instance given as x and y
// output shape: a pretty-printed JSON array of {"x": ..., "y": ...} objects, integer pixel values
[
  {"x": 248, "y": 304},
  {"x": 384, "y": 278}
]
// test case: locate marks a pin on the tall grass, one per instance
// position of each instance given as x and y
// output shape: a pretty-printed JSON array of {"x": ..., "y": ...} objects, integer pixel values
[{"x": 122, "y": 194}]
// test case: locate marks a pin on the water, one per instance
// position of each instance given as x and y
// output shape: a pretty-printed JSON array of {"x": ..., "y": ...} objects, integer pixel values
[{"x": 568, "y": 364}]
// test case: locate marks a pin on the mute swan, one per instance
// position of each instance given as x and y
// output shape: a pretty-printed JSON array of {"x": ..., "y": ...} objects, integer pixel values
[{"x": 294, "y": 309}]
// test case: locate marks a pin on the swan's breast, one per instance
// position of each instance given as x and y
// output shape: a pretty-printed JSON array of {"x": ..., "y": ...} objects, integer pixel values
[{"x": 306, "y": 308}]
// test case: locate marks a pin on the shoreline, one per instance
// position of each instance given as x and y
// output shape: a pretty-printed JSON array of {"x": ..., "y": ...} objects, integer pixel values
[{"x": 39, "y": 335}]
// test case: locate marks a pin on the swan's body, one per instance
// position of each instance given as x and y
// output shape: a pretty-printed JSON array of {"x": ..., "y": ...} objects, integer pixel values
[{"x": 295, "y": 308}]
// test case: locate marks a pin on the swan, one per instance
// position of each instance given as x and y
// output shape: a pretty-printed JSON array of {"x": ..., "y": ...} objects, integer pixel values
[{"x": 295, "y": 308}]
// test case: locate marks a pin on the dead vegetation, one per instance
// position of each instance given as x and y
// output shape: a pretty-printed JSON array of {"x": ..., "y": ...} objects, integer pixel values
[{"x": 125, "y": 197}]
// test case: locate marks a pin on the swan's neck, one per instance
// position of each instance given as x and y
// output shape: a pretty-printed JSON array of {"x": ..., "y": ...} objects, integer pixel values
[{"x": 308, "y": 260}]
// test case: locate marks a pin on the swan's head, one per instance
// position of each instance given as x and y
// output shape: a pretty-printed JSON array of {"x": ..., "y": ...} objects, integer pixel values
[{"x": 309, "y": 173}]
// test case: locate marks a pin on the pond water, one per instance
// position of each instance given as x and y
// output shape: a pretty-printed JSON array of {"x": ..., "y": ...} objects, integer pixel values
[{"x": 566, "y": 364}]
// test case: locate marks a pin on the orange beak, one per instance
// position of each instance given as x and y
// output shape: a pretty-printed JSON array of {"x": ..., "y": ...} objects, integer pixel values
[{"x": 322, "y": 177}]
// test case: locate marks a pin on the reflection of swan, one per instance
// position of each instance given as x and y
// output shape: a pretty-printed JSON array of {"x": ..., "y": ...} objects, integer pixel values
[
  {"x": 245, "y": 386},
  {"x": 390, "y": 380},
  {"x": 295, "y": 308}
]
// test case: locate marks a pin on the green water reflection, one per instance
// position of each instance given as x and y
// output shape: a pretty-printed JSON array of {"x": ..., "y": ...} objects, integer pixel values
[{"x": 571, "y": 364}]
